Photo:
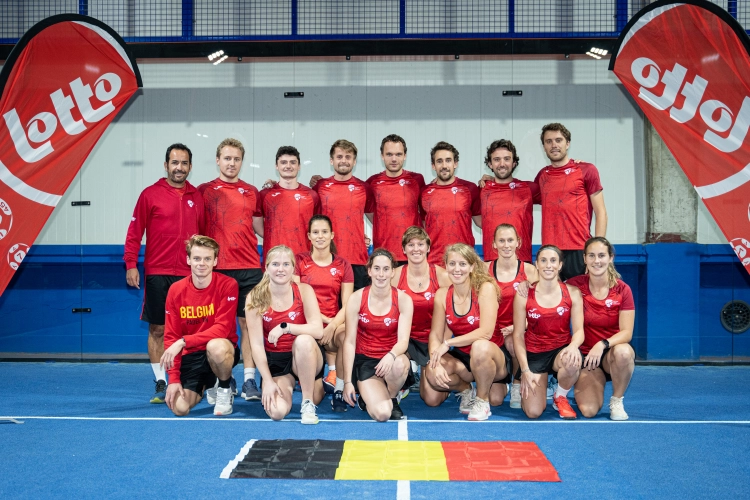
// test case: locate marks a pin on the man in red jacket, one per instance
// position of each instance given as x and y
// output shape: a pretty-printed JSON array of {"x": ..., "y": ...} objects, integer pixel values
[
  {"x": 200, "y": 335},
  {"x": 169, "y": 212}
]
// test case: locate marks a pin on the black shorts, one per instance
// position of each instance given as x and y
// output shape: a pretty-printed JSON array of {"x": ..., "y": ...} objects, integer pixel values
[
  {"x": 607, "y": 376},
  {"x": 364, "y": 368},
  {"x": 542, "y": 362},
  {"x": 466, "y": 360},
  {"x": 195, "y": 371},
  {"x": 361, "y": 278},
  {"x": 418, "y": 352},
  {"x": 155, "y": 297},
  {"x": 280, "y": 363},
  {"x": 573, "y": 264},
  {"x": 246, "y": 279}
]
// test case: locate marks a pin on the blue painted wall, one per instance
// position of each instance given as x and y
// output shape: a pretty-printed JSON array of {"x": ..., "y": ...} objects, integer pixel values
[{"x": 679, "y": 291}]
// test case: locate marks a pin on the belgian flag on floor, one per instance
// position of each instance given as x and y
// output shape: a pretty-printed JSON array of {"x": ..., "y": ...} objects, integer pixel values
[{"x": 391, "y": 461}]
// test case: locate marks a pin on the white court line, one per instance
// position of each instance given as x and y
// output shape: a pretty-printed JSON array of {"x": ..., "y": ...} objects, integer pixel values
[
  {"x": 240, "y": 456},
  {"x": 403, "y": 488},
  {"x": 370, "y": 421}
]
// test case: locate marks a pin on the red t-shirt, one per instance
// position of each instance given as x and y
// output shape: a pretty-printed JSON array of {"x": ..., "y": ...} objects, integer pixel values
[
  {"x": 423, "y": 304},
  {"x": 566, "y": 203},
  {"x": 547, "y": 327},
  {"x": 601, "y": 318},
  {"x": 376, "y": 335},
  {"x": 345, "y": 203},
  {"x": 295, "y": 315},
  {"x": 199, "y": 315},
  {"x": 507, "y": 294},
  {"x": 395, "y": 208},
  {"x": 326, "y": 281},
  {"x": 461, "y": 325},
  {"x": 230, "y": 208},
  {"x": 286, "y": 213},
  {"x": 510, "y": 203},
  {"x": 448, "y": 211}
]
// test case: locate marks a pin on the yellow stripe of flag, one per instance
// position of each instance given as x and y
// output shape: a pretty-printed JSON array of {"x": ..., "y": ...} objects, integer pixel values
[{"x": 393, "y": 461}]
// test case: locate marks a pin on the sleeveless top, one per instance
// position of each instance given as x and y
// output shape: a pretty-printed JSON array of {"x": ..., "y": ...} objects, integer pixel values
[
  {"x": 507, "y": 294},
  {"x": 295, "y": 315},
  {"x": 423, "y": 304},
  {"x": 376, "y": 335},
  {"x": 547, "y": 328},
  {"x": 467, "y": 323}
]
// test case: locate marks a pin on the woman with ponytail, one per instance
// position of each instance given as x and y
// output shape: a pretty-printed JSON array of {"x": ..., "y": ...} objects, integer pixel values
[
  {"x": 608, "y": 318},
  {"x": 332, "y": 279},
  {"x": 473, "y": 353},
  {"x": 284, "y": 323}
]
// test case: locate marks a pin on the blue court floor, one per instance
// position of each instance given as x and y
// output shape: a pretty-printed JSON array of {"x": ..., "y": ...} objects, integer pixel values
[{"x": 89, "y": 431}]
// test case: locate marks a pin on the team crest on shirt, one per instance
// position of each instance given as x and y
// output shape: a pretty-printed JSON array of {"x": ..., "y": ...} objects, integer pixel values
[
  {"x": 132, "y": 219},
  {"x": 401, "y": 182},
  {"x": 610, "y": 303},
  {"x": 297, "y": 196},
  {"x": 562, "y": 310},
  {"x": 241, "y": 191},
  {"x": 293, "y": 315},
  {"x": 267, "y": 319},
  {"x": 390, "y": 321},
  {"x": 454, "y": 190},
  {"x": 363, "y": 318},
  {"x": 515, "y": 286},
  {"x": 428, "y": 295},
  {"x": 512, "y": 185},
  {"x": 351, "y": 187},
  {"x": 533, "y": 314},
  {"x": 472, "y": 319},
  {"x": 333, "y": 271},
  {"x": 190, "y": 203},
  {"x": 568, "y": 170}
]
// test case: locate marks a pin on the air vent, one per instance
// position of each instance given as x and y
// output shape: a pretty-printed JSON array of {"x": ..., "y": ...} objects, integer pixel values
[{"x": 735, "y": 316}]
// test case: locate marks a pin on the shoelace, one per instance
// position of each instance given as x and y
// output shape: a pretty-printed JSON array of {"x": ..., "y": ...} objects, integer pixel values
[{"x": 308, "y": 407}]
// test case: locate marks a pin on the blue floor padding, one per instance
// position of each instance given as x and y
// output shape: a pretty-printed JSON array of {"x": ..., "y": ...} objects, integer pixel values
[{"x": 173, "y": 458}]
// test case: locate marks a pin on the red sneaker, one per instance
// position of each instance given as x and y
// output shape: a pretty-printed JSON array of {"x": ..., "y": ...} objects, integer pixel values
[
  {"x": 562, "y": 405},
  {"x": 329, "y": 382}
]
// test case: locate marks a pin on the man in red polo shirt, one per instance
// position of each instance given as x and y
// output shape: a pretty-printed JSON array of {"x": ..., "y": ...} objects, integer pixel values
[{"x": 169, "y": 212}]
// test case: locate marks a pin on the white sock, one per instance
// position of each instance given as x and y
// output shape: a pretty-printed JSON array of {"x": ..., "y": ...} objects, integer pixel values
[
  {"x": 561, "y": 392},
  {"x": 339, "y": 384},
  {"x": 159, "y": 372},
  {"x": 331, "y": 368},
  {"x": 249, "y": 373},
  {"x": 414, "y": 366}
]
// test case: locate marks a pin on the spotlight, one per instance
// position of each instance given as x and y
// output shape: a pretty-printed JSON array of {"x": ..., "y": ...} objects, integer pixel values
[
  {"x": 595, "y": 56},
  {"x": 215, "y": 55},
  {"x": 220, "y": 60}
]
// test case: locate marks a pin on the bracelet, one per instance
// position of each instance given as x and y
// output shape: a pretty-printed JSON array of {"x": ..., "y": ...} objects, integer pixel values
[
  {"x": 394, "y": 356},
  {"x": 446, "y": 344},
  {"x": 526, "y": 370},
  {"x": 349, "y": 382}
]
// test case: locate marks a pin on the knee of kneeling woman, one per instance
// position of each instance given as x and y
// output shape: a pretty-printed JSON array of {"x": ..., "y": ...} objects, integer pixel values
[
  {"x": 588, "y": 410},
  {"x": 623, "y": 355},
  {"x": 303, "y": 342},
  {"x": 277, "y": 414},
  {"x": 533, "y": 413},
  {"x": 381, "y": 412},
  {"x": 181, "y": 412}
]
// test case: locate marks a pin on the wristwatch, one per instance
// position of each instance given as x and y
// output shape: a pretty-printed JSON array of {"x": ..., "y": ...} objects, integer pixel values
[
  {"x": 283, "y": 326},
  {"x": 606, "y": 343}
]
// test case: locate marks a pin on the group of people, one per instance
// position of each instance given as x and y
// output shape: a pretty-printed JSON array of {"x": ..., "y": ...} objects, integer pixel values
[{"x": 422, "y": 303}]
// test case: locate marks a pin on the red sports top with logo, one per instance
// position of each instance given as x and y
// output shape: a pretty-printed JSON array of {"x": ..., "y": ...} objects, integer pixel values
[
  {"x": 448, "y": 211},
  {"x": 423, "y": 304},
  {"x": 326, "y": 281},
  {"x": 547, "y": 328},
  {"x": 295, "y": 315},
  {"x": 376, "y": 335},
  {"x": 510, "y": 203},
  {"x": 286, "y": 213},
  {"x": 461, "y": 325},
  {"x": 566, "y": 203},
  {"x": 169, "y": 216},
  {"x": 199, "y": 315},
  {"x": 601, "y": 318},
  {"x": 230, "y": 208},
  {"x": 345, "y": 203},
  {"x": 396, "y": 207},
  {"x": 507, "y": 294}
]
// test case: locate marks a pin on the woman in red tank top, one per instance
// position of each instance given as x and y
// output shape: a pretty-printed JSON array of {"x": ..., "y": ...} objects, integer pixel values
[
  {"x": 420, "y": 280},
  {"x": 378, "y": 322},
  {"x": 284, "y": 323},
  {"x": 508, "y": 270},
  {"x": 464, "y": 319},
  {"x": 608, "y": 318},
  {"x": 541, "y": 335}
]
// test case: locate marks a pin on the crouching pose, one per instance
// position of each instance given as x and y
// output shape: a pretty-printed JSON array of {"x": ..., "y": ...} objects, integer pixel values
[
  {"x": 284, "y": 323},
  {"x": 378, "y": 322},
  {"x": 463, "y": 345}
]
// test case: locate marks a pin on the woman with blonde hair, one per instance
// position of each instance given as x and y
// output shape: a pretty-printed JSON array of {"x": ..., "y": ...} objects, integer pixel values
[
  {"x": 473, "y": 353},
  {"x": 284, "y": 322}
]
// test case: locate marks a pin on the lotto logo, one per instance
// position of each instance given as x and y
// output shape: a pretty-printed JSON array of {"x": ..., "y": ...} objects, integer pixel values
[
  {"x": 742, "y": 248},
  {"x": 16, "y": 255},
  {"x": 448, "y": 321},
  {"x": 267, "y": 319},
  {"x": 363, "y": 318},
  {"x": 293, "y": 315},
  {"x": 533, "y": 314},
  {"x": 6, "y": 219}
]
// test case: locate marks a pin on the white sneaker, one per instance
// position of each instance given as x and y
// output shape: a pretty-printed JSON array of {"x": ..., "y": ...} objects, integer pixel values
[
  {"x": 515, "y": 395},
  {"x": 466, "y": 400},
  {"x": 402, "y": 394},
  {"x": 616, "y": 409},
  {"x": 224, "y": 400},
  {"x": 480, "y": 410},
  {"x": 211, "y": 393},
  {"x": 308, "y": 412}
]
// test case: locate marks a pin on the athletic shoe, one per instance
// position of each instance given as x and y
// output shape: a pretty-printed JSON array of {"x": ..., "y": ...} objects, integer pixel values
[
  {"x": 361, "y": 404},
  {"x": 211, "y": 393},
  {"x": 402, "y": 394},
  {"x": 551, "y": 387},
  {"x": 329, "y": 382},
  {"x": 562, "y": 405},
  {"x": 224, "y": 400},
  {"x": 337, "y": 402},
  {"x": 616, "y": 409},
  {"x": 250, "y": 390},
  {"x": 480, "y": 410},
  {"x": 415, "y": 386},
  {"x": 308, "y": 412},
  {"x": 466, "y": 400},
  {"x": 160, "y": 393},
  {"x": 233, "y": 386},
  {"x": 515, "y": 395},
  {"x": 396, "y": 412}
]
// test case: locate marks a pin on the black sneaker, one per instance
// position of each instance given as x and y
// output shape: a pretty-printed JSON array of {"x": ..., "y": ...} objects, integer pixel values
[
  {"x": 338, "y": 404},
  {"x": 396, "y": 413},
  {"x": 361, "y": 403},
  {"x": 415, "y": 386},
  {"x": 160, "y": 393}
]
